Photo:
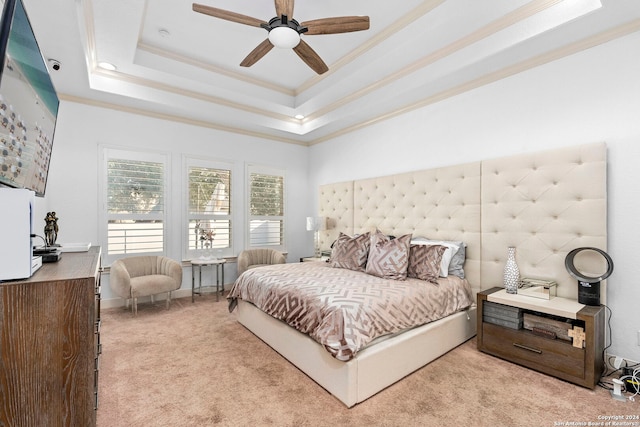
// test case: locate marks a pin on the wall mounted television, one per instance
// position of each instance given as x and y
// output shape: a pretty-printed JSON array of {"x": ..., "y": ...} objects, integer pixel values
[{"x": 28, "y": 104}]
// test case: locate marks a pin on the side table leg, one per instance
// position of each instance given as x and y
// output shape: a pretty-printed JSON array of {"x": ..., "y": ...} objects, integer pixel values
[
  {"x": 218, "y": 282},
  {"x": 193, "y": 280}
]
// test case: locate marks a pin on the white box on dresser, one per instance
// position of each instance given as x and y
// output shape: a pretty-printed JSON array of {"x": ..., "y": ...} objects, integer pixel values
[{"x": 16, "y": 222}]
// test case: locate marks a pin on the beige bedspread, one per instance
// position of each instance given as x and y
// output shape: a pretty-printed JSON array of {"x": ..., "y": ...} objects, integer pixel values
[{"x": 344, "y": 310}]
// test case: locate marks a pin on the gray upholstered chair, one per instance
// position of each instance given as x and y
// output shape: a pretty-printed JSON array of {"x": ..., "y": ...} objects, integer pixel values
[
  {"x": 251, "y": 258},
  {"x": 139, "y": 276}
]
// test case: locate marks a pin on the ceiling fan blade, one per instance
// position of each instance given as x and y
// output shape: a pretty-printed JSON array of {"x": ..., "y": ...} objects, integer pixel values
[
  {"x": 227, "y": 15},
  {"x": 284, "y": 7},
  {"x": 342, "y": 24},
  {"x": 310, "y": 57},
  {"x": 256, "y": 54}
]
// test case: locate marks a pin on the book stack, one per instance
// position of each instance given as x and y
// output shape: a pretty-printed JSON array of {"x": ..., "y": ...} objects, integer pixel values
[{"x": 502, "y": 315}]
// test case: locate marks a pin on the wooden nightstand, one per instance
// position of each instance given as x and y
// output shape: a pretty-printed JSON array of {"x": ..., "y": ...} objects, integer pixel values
[{"x": 581, "y": 365}]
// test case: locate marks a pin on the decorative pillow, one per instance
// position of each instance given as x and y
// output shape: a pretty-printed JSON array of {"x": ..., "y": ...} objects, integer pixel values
[
  {"x": 452, "y": 248},
  {"x": 424, "y": 262},
  {"x": 350, "y": 252},
  {"x": 388, "y": 258},
  {"x": 456, "y": 266}
]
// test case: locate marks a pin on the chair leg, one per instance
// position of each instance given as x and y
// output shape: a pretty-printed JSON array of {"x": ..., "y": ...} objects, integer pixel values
[
  {"x": 152, "y": 299},
  {"x": 135, "y": 306},
  {"x": 168, "y": 299}
]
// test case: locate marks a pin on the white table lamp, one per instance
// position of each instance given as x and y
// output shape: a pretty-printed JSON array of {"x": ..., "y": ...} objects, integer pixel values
[{"x": 316, "y": 224}]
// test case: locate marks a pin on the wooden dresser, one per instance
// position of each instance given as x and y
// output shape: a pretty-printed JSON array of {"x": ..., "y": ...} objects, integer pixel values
[{"x": 50, "y": 344}]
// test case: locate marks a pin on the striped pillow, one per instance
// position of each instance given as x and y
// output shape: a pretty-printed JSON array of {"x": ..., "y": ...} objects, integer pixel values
[
  {"x": 388, "y": 258},
  {"x": 350, "y": 252},
  {"x": 425, "y": 261}
]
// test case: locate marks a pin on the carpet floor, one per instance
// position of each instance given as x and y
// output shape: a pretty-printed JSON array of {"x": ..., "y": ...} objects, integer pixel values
[{"x": 195, "y": 365}]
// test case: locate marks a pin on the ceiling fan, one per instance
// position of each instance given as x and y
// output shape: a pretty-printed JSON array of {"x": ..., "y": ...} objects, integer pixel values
[{"x": 284, "y": 31}]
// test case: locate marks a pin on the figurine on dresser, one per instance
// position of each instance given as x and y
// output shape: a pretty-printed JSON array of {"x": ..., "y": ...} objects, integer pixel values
[{"x": 51, "y": 229}]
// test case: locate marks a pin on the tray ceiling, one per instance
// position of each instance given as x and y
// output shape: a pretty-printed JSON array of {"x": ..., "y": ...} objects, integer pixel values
[{"x": 180, "y": 65}]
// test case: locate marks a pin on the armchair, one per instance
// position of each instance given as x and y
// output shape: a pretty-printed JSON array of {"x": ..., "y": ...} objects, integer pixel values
[
  {"x": 140, "y": 276},
  {"x": 251, "y": 258}
]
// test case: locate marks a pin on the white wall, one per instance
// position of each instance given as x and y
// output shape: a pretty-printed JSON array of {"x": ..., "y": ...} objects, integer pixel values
[
  {"x": 72, "y": 189},
  {"x": 589, "y": 97}
]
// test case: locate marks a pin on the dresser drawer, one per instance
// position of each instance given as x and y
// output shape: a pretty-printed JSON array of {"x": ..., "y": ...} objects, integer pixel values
[{"x": 553, "y": 357}]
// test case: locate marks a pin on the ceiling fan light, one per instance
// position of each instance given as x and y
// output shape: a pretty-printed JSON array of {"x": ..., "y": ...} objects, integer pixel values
[{"x": 284, "y": 37}]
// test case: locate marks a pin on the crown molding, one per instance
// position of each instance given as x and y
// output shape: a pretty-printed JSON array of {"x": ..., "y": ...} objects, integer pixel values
[{"x": 177, "y": 119}]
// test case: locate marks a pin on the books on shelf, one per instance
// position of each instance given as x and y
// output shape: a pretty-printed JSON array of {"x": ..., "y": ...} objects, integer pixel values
[{"x": 502, "y": 315}]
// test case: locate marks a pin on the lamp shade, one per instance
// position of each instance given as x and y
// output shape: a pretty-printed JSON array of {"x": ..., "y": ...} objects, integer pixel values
[
  {"x": 284, "y": 37},
  {"x": 316, "y": 223}
]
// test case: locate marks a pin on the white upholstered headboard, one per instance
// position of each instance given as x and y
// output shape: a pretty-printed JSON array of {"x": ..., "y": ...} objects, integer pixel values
[{"x": 545, "y": 204}]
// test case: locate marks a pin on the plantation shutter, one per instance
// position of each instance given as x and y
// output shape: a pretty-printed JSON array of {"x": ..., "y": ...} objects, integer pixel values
[
  {"x": 266, "y": 209},
  {"x": 209, "y": 212},
  {"x": 135, "y": 206}
]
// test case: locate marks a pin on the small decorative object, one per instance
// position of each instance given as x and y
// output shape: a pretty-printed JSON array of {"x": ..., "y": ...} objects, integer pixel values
[
  {"x": 578, "y": 335},
  {"x": 537, "y": 288},
  {"x": 511, "y": 272},
  {"x": 204, "y": 237},
  {"x": 51, "y": 229}
]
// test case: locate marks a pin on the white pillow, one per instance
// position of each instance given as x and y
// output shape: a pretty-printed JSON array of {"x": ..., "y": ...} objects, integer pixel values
[{"x": 446, "y": 256}]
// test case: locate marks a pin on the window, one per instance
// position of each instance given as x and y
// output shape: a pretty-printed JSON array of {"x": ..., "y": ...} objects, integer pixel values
[
  {"x": 266, "y": 207},
  {"x": 135, "y": 203},
  {"x": 209, "y": 209}
]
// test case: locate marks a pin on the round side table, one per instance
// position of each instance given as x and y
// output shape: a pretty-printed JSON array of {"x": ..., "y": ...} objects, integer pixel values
[{"x": 200, "y": 263}]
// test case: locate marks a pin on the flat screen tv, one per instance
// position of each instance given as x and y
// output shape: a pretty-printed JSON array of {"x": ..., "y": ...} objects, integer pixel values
[{"x": 28, "y": 104}]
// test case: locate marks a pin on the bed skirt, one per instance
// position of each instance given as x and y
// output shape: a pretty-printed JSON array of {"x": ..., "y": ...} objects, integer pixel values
[{"x": 375, "y": 367}]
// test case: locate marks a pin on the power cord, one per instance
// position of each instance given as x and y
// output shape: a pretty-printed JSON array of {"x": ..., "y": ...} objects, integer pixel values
[
  {"x": 43, "y": 241},
  {"x": 604, "y": 373},
  {"x": 634, "y": 381},
  {"x": 618, "y": 373}
]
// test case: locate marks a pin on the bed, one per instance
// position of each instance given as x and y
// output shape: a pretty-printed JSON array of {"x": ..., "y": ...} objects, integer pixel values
[
  {"x": 345, "y": 310},
  {"x": 545, "y": 204}
]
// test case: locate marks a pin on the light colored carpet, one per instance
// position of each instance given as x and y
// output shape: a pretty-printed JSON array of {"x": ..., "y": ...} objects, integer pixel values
[{"x": 194, "y": 365}]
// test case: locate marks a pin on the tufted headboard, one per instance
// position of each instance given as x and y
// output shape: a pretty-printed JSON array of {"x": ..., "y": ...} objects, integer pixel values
[
  {"x": 442, "y": 203},
  {"x": 545, "y": 204}
]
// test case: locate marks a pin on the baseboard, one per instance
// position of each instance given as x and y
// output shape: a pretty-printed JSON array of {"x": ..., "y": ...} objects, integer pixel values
[{"x": 119, "y": 302}]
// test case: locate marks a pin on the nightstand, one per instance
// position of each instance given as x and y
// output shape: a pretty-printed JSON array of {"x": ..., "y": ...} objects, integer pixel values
[{"x": 577, "y": 358}]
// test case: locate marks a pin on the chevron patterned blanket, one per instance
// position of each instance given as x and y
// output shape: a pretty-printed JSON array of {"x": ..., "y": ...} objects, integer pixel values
[{"x": 345, "y": 310}]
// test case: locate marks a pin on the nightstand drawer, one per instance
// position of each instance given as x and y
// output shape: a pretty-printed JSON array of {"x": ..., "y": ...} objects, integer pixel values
[{"x": 554, "y": 357}]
